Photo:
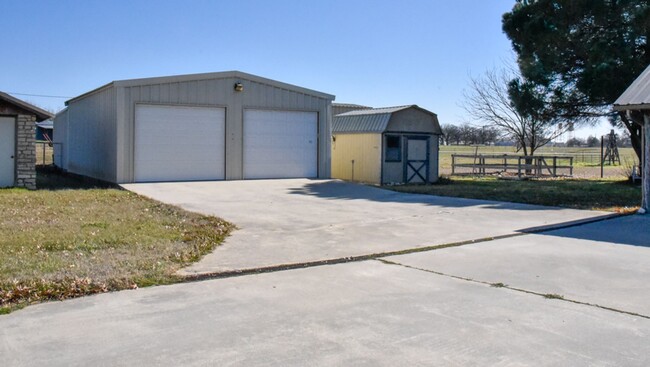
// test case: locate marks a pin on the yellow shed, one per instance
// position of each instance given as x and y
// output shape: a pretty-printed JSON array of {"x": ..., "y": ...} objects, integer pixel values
[{"x": 391, "y": 145}]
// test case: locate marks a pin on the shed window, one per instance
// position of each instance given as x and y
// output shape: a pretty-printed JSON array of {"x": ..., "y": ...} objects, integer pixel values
[{"x": 393, "y": 148}]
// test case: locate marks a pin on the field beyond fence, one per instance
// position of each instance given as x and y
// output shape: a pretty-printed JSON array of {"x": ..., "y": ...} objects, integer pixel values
[
  {"x": 44, "y": 153},
  {"x": 519, "y": 165},
  {"x": 586, "y": 161}
]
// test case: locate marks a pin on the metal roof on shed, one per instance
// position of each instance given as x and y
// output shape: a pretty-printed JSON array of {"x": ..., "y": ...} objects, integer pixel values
[
  {"x": 377, "y": 111},
  {"x": 47, "y": 124},
  {"x": 373, "y": 120},
  {"x": 637, "y": 95},
  {"x": 370, "y": 123},
  {"x": 351, "y": 106}
]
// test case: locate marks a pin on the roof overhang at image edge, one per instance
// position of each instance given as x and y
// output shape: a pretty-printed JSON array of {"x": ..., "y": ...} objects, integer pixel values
[{"x": 637, "y": 95}]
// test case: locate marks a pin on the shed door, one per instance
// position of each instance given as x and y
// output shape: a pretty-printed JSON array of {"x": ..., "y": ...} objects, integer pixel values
[
  {"x": 178, "y": 143},
  {"x": 7, "y": 151},
  {"x": 280, "y": 144},
  {"x": 416, "y": 168}
]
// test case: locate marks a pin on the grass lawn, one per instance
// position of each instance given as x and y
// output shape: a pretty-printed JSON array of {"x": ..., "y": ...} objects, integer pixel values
[
  {"x": 71, "y": 238},
  {"x": 608, "y": 195}
]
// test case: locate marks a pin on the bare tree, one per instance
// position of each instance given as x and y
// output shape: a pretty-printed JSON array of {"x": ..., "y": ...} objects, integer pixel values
[
  {"x": 468, "y": 134},
  {"x": 488, "y": 100},
  {"x": 450, "y": 134}
]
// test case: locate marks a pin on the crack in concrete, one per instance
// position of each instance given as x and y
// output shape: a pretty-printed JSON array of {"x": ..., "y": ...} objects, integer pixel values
[
  {"x": 308, "y": 264},
  {"x": 340, "y": 260},
  {"x": 502, "y": 285}
]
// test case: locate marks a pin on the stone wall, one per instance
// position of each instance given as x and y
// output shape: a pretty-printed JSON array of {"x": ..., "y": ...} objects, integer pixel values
[{"x": 25, "y": 151}]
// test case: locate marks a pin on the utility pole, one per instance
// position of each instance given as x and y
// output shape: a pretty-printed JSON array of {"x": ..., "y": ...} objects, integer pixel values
[{"x": 602, "y": 157}]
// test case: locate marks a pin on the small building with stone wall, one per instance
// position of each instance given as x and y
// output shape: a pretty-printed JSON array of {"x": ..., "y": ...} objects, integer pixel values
[{"x": 17, "y": 141}]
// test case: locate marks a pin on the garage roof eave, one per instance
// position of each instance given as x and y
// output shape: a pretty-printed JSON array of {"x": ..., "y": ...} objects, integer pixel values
[
  {"x": 40, "y": 113},
  {"x": 219, "y": 75},
  {"x": 82, "y": 96},
  {"x": 632, "y": 107}
]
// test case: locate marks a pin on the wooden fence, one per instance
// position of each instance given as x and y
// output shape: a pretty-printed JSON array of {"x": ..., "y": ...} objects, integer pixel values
[
  {"x": 45, "y": 153},
  {"x": 522, "y": 166}
]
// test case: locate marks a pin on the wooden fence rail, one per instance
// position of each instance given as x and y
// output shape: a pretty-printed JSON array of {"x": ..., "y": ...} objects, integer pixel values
[{"x": 523, "y": 166}]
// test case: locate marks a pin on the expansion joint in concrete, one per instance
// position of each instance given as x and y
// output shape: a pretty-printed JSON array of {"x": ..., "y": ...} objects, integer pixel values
[{"x": 501, "y": 285}]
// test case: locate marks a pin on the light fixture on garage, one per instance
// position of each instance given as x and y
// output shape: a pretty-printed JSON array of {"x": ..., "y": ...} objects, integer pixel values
[{"x": 239, "y": 87}]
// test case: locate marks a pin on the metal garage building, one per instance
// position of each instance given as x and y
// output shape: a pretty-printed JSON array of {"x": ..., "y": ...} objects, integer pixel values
[
  {"x": 386, "y": 145},
  {"x": 214, "y": 126}
]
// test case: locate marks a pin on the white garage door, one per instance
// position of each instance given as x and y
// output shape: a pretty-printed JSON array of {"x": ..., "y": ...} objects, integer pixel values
[
  {"x": 280, "y": 144},
  {"x": 175, "y": 143}
]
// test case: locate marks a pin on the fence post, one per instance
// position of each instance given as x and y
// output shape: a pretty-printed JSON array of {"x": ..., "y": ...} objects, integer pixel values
[
  {"x": 554, "y": 166},
  {"x": 453, "y": 164}
]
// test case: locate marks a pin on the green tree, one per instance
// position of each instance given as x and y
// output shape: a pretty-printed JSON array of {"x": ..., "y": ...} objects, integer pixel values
[
  {"x": 593, "y": 142},
  {"x": 575, "y": 143},
  {"x": 582, "y": 54}
]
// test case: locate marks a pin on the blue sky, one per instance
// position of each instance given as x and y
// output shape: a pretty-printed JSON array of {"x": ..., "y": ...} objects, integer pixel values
[{"x": 377, "y": 53}]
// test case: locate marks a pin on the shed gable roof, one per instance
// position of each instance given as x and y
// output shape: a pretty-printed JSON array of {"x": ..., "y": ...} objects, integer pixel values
[
  {"x": 40, "y": 113},
  {"x": 373, "y": 120},
  {"x": 370, "y": 123},
  {"x": 351, "y": 106},
  {"x": 377, "y": 111},
  {"x": 47, "y": 124},
  {"x": 637, "y": 95}
]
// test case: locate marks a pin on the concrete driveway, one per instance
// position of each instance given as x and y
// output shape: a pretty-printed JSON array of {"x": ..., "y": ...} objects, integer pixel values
[
  {"x": 422, "y": 309},
  {"x": 575, "y": 296},
  {"x": 283, "y": 222}
]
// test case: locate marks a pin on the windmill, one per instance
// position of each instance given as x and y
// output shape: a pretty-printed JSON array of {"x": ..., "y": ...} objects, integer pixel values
[{"x": 611, "y": 153}]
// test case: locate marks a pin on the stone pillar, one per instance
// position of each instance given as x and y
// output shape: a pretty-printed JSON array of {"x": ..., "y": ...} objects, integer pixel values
[{"x": 25, "y": 159}]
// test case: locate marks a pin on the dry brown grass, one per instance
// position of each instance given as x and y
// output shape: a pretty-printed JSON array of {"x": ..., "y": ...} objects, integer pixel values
[{"x": 62, "y": 243}]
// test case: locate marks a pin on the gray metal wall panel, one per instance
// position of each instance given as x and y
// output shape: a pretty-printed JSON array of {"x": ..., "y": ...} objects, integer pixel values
[
  {"x": 92, "y": 135},
  {"x": 221, "y": 93}
]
